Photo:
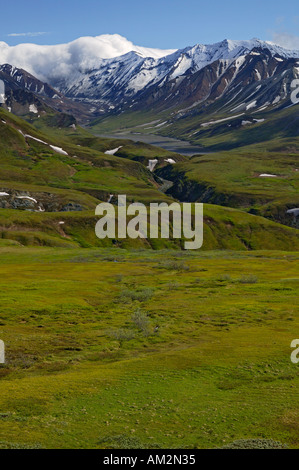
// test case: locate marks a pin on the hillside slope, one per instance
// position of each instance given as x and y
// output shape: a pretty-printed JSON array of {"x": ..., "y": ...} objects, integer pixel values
[{"x": 52, "y": 179}]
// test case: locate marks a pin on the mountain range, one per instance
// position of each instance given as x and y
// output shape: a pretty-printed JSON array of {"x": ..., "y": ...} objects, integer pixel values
[
  {"x": 107, "y": 78},
  {"x": 232, "y": 98},
  {"x": 138, "y": 343},
  {"x": 184, "y": 92},
  {"x": 123, "y": 82}
]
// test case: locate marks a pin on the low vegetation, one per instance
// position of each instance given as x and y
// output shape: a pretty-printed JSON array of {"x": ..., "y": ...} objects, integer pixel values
[
  {"x": 191, "y": 358},
  {"x": 137, "y": 343}
]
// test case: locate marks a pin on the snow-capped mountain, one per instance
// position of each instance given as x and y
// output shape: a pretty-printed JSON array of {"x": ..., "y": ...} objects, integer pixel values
[
  {"x": 108, "y": 70},
  {"x": 25, "y": 94},
  {"x": 116, "y": 81},
  {"x": 50, "y": 63},
  {"x": 20, "y": 78},
  {"x": 96, "y": 76},
  {"x": 258, "y": 75}
]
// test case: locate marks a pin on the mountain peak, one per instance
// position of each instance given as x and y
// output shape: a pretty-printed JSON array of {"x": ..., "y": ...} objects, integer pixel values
[{"x": 110, "y": 68}]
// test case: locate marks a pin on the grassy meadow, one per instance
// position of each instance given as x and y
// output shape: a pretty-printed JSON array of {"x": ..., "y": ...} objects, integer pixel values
[
  {"x": 137, "y": 343},
  {"x": 109, "y": 348}
]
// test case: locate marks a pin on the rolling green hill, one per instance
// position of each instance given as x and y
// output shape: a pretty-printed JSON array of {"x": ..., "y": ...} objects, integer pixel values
[
  {"x": 125, "y": 344},
  {"x": 232, "y": 178},
  {"x": 82, "y": 169},
  {"x": 53, "y": 191}
]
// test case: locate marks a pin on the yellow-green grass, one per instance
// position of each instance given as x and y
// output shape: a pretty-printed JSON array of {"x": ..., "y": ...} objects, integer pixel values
[
  {"x": 274, "y": 126},
  {"x": 224, "y": 228},
  {"x": 137, "y": 121},
  {"x": 27, "y": 163},
  {"x": 232, "y": 178},
  {"x": 217, "y": 369},
  {"x": 270, "y": 126}
]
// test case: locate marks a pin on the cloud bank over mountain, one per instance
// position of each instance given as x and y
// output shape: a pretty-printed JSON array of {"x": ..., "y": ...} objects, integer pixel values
[
  {"x": 64, "y": 64},
  {"x": 59, "y": 60}
]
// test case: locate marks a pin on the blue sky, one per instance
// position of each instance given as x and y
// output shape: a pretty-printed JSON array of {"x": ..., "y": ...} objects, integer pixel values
[{"x": 151, "y": 23}]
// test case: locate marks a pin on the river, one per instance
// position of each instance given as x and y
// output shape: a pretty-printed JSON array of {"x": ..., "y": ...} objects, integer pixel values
[{"x": 174, "y": 145}]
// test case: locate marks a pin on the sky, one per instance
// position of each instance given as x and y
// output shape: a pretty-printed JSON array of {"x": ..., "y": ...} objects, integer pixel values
[{"x": 166, "y": 24}]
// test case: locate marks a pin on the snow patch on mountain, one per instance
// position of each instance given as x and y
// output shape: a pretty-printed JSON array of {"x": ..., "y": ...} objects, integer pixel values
[
  {"x": 111, "y": 73},
  {"x": 113, "y": 151},
  {"x": 33, "y": 109}
]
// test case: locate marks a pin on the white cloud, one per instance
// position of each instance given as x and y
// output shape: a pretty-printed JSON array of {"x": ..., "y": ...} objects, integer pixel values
[
  {"x": 50, "y": 63},
  {"x": 286, "y": 40},
  {"x": 31, "y": 35}
]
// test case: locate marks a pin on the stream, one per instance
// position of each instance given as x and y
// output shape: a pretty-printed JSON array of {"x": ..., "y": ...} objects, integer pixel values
[{"x": 168, "y": 143}]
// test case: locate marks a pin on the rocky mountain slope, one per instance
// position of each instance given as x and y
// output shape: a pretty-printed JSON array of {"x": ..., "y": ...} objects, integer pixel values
[
  {"x": 52, "y": 180},
  {"x": 112, "y": 74},
  {"x": 229, "y": 95},
  {"x": 134, "y": 81},
  {"x": 24, "y": 94}
]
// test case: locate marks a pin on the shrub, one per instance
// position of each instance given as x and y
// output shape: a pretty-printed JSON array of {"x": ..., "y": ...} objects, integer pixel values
[
  {"x": 174, "y": 285},
  {"x": 126, "y": 442},
  {"x": 255, "y": 444},
  {"x": 17, "y": 445},
  {"x": 142, "y": 322},
  {"x": 249, "y": 279},
  {"x": 174, "y": 265},
  {"x": 121, "y": 335},
  {"x": 224, "y": 278},
  {"x": 141, "y": 294}
]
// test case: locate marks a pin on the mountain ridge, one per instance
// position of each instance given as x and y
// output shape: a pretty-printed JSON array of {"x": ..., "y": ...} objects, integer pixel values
[
  {"x": 208, "y": 84},
  {"x": 57, "y": 64},
  {"x": 115, "y": 80}
]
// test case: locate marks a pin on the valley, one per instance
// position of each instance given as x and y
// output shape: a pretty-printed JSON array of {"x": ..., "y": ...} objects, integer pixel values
[
  {"x": 168, "y": 143},
  {"x": 123, "y": 343}
]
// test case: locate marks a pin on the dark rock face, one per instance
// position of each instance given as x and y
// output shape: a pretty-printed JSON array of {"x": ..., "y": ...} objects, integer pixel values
[
  {"x": 71, "y": 207},
  {"x": 10, "y": 199},
  {"x": 23, "y": 89},
  {"x": 20, "y": 102},
  {"x": 223, "y": 85},
  {"x": 20, "y": 79},
  {"x": 200, "y": 75},
  {"x": 36, "y": 202},
  {"x": 200, "y": 79}
]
